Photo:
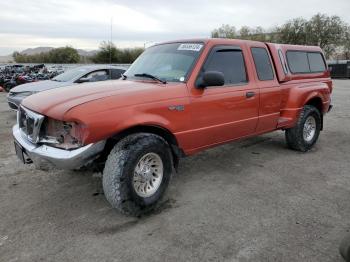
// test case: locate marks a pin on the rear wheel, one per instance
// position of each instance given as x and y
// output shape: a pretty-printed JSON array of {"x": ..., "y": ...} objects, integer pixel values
[
  {"x": 305, "y": 133},
  {"x": 137, "y": 173}
]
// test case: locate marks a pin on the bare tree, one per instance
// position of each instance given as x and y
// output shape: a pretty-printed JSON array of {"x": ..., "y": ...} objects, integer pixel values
[{"x": 224, "y": 31}]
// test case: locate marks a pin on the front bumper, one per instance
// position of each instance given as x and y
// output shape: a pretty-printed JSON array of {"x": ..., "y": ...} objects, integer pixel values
[{"x": 60, "y": 158}]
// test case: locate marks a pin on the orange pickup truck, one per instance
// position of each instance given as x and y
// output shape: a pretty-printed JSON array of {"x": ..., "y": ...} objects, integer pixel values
[{"x": 178, "y": 98}]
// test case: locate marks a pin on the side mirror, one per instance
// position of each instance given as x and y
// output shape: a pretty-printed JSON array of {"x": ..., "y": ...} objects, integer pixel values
[
  {"x": 83, "y": 80},
  {"x": 211, "y": 78}
]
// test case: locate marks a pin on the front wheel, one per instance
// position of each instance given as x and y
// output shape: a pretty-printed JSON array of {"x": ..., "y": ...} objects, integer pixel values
[
  {"x": 137, "y": 173},
  {"x": 306, "y": 131}
]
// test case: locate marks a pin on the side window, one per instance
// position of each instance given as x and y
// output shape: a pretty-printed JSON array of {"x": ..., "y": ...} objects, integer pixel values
[
  {"x": 305, "y": 62},
  {"x": 117, "y": 73},
  {"x": 298, "y": 62},
  {"x": 99, "y": 75},
  {"x": 283, "y": 63},
  {"x": 316, "y": 62},
  {"x": 230, "y": 62},
  {"x": 262, "y": 63}
]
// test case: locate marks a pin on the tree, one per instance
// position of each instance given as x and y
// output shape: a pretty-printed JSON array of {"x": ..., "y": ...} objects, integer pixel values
[
  {"x": 245, "y": 32},
  {"x": 329, "y": 32},
  {"x": 293, "y": 32},
  {"x": 109, "y": 53},
  {"x": 225, "y": 31},
  {"x": 62, "y": 55},
  {"x": 326, "y": 32},
  {"x": 129, "y": 55},
  {"x": 18, "y": 57},
  {"x": 346, "y": 43}
]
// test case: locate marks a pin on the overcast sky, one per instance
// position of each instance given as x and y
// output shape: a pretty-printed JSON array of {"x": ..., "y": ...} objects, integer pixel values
[{"x": 85, "y": 23}]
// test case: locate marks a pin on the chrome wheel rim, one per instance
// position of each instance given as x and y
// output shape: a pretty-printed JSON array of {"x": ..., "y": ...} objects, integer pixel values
[
  {"x": 148, "y": 175},
  {"x": 309, "y": 128}
]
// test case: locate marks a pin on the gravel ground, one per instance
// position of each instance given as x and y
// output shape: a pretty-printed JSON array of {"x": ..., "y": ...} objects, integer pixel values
[{"x": 253, "y": 200}]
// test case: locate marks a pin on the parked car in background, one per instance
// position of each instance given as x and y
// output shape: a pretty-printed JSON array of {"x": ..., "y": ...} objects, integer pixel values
[
  {"x": 82, "y": 74},
  {"x": 177, "y": 99}
]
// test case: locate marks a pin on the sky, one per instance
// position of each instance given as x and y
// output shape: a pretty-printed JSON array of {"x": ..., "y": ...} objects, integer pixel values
[{"x": 85, "y": 23}]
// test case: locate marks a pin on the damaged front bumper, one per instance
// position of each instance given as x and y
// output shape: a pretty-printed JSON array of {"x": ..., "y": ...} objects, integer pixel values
[{"x": 59, "y": 158}]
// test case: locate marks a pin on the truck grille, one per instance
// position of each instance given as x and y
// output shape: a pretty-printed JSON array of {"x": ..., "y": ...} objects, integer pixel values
[{"x": 29, "y": 123}]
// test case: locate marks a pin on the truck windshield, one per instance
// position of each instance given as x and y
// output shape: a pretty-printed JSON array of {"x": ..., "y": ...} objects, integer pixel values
[{"x": 168, "y": 62}]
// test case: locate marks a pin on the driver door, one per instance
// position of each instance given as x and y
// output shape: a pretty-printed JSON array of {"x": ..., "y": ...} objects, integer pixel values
[{"x": 224, "y": 113}]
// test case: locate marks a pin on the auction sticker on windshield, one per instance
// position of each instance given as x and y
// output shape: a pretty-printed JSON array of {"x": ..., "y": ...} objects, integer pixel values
[{"x": 190, "y": 47}]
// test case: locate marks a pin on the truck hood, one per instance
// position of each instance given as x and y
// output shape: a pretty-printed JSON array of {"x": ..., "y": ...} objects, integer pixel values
[
  {"x": 39, "y": 86},
  {"x": 55, "y": 103}
]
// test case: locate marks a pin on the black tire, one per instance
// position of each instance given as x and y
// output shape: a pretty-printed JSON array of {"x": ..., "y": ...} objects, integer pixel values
[
  {"x": 119, "y": 170},
  {"x": 344, "y": 248},
  {"x": 294, "y": 136}
]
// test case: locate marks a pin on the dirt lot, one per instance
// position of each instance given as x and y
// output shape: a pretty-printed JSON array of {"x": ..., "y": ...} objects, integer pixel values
[{"x": 253, "y": 200}]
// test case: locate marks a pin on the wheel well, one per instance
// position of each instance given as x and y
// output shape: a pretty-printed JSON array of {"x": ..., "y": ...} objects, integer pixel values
[
  {"x": 160, "y": 131},
  {"x": 316, "y": 102}
]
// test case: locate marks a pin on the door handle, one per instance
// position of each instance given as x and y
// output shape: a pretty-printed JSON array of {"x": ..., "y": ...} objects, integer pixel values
[{"x": 249, "y": 94}]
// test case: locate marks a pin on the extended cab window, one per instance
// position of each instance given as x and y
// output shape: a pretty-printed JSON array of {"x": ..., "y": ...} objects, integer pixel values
[
  {"x": 262, "y": 63},
  {"x": 305, "y": 62},
  {"x": 228, "y": 61}
]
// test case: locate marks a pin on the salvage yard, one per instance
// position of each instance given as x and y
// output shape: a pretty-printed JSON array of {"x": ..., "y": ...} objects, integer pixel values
[{"x": 253, "y": 200}]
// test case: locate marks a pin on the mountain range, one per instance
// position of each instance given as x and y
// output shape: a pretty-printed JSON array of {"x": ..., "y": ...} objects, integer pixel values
[{"x": 43, "y": 49}]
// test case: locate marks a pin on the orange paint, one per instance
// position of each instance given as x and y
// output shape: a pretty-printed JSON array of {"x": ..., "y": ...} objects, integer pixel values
[{"x": 211, "y": 116}]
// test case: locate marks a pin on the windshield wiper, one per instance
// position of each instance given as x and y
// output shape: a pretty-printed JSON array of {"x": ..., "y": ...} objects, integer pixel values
[{"x": 151, "y": 76}]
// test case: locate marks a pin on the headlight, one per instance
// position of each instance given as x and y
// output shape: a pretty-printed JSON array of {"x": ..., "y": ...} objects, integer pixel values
[{"x": 66, "y": 135}]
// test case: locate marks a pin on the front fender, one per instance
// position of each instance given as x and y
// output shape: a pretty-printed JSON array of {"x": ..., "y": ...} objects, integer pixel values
[{"x": 106, "y": 123}]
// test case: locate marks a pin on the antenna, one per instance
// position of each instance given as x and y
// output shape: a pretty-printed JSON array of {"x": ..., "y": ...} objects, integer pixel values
[
  {"x": 110, "y": 49},
  {"x": 110, "y": 44}
]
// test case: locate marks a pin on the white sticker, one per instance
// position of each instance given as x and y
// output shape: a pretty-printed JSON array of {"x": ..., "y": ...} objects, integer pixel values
[{"x": 190, "y": 47}]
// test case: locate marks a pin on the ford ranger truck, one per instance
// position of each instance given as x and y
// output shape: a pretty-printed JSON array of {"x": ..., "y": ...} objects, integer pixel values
[{"x": 177, "y": 99}]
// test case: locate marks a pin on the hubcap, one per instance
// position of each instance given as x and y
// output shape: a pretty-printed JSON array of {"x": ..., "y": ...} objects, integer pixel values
[
  {"x": 309, "y": 128},
  {"x": 148, "y": 175}
]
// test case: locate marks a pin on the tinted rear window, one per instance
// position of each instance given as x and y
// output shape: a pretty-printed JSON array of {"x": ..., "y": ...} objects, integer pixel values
[
  {"x": 298, "y": 62},
  {"x": 305, "y": 62},
  {"x": 316, "y": 62},
  {"x": 262, "y": 63}
]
